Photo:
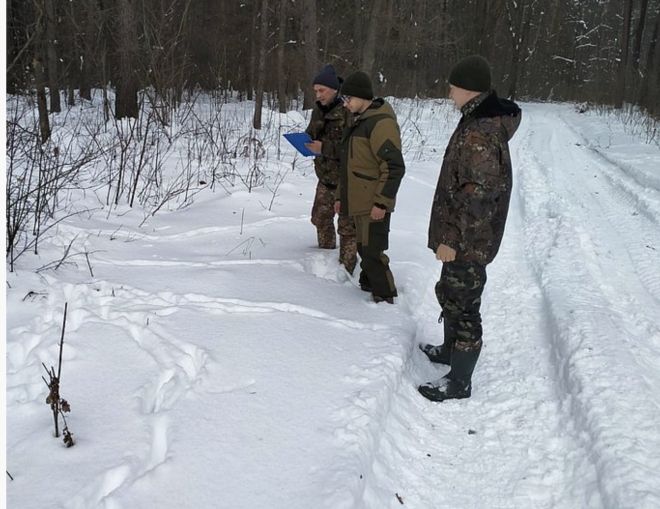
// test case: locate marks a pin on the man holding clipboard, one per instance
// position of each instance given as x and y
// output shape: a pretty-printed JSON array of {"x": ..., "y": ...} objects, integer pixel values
[{"x": 325, "y": 128}]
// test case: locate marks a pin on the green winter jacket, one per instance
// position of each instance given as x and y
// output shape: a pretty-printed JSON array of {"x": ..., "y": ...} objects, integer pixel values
[
  {"x": 371, "y": 166},
  {"x": 327, "y": 125}
]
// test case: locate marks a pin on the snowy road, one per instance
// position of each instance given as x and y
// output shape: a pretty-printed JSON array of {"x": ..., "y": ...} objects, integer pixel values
[
  {"x": 217, "y": 359},
  {"x": 568, "y": 407}
]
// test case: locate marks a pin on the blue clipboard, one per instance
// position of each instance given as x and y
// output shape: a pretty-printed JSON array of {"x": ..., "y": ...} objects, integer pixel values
[{"x": 298, "y": 140}]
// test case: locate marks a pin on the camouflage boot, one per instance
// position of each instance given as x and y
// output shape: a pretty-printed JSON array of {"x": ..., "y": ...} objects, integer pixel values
[
  {"x": 326, "y": 237},
  {"x": 348, "y": 252},
  {"x": 347, "y": 242}
]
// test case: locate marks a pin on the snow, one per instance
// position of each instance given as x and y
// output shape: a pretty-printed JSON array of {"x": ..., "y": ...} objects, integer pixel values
[{"x": 217, "y": 358}]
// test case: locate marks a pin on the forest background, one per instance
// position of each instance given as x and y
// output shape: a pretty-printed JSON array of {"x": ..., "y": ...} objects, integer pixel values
[
  {"x": 602, "y": 51},
  {"x": 139, "y": 70}
]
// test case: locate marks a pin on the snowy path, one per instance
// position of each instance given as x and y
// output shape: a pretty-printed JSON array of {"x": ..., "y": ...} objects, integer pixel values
[
  {"x": 217, "y": 359},
  {"x": 566, "y": 408}
]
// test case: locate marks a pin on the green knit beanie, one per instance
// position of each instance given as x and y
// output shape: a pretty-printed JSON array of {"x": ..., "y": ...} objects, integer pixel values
[
  {"x": 471, "y": 73},
  {"x": 358, "y": 84}
]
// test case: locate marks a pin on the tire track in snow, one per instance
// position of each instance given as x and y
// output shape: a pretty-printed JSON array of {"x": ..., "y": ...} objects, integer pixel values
[
  {"x": 637, "y": 217},
  {"x": 598, "y": 309}
]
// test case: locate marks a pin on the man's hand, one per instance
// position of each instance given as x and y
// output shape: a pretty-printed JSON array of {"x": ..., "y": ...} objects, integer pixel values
[
  {"x": 377, "y": 213},
  {"x": 315, "y": 146},
  {"x": 337, "y": 207},
  {"x": 445, "y": 253}
]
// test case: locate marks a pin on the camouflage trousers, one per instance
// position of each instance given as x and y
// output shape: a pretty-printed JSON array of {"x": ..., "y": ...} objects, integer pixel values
[
  {"x": 323, "y": 217},
  {"x": 459, "y": 294}
]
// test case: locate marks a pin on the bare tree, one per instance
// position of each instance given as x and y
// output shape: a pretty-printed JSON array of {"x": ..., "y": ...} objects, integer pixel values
[
  {"x": 639, "y": 31},
  {"x": 51, "y": 51},
  {"x": 311, "y": 48},
  {"x": 261, "y": 68},
  {"x": 126, "y": 104},
  {"x": 40, "y": 82},
  {"x": 625, "y": 50},
  {"x": 651, "y": 81},
  {"x": 281, "y": 43},
  {"x": 368, "y": 57}
]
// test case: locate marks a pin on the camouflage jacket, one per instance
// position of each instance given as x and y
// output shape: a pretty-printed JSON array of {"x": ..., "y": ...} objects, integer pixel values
[
  {"x": 471, "y": 199},
  {"x": 371, "y": 161},
  {"x": 327, "y": 125}
]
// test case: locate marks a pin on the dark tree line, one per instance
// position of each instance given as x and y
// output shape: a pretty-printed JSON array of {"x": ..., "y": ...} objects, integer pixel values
[{"x": 604, "y": 51}]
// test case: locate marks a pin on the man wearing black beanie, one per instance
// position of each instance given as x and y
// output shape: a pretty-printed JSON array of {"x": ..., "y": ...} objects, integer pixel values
[
  {"x": 326, "y": 127},
  {"x": 467, "y": 220},
  {"x": 370, "y": 174}
]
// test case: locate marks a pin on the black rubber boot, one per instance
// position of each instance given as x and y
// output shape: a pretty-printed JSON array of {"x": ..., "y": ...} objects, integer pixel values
[
  {"x": 439, "y": 354},
  {"x": 457, "y": 384}
]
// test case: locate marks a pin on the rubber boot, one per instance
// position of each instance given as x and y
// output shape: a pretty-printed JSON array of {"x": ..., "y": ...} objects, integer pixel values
[
  {"x": 440, "y": 354},
  {"x": 457, "y": 384}
]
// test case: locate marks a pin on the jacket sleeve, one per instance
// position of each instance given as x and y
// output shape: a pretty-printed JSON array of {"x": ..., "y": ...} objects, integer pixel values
[
  {"x": 385, "y": 142},
  {"x": 442, "y": 231}
]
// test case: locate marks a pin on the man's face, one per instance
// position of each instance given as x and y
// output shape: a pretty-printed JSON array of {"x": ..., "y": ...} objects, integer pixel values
[
  {"x": 324, "y": 95},
  {"x": 355, "y": 104},
  {"x": 460, "y": 96}
]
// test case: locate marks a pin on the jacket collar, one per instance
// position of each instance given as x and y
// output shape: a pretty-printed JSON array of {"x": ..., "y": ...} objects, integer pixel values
[
  {"x": 474, "y": 103},
  {"x": 331, "y": 106},
  {"x": 488, "y": 105}
]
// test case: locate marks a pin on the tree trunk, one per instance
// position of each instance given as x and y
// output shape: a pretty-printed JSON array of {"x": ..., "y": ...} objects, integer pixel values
[
  {"x": 40, "y": 82},
  {"x": 281, "y": 41},
  {"x": 261, "y": 68},
  {"x": 639, "y": 31},
  {"x": 85, "y": 88},
  {"x": 311, "y": 53},
  {"x": 650, "y": 80},
  {"x": 625, "y": 46},
  {"x": 53, "y": 74},
  {"x": 126, "y": 102},
  {"x": 368, "y": 57}
]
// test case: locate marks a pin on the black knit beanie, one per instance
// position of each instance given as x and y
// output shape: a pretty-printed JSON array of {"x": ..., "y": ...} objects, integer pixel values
[
  {"x": 471, "y": 73},
  {"x": 358, "y": 84},
  {"x": 327, "y": 77}
]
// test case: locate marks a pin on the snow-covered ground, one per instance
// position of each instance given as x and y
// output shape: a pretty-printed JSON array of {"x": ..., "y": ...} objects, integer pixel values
[{"x": 217, "y": 359}]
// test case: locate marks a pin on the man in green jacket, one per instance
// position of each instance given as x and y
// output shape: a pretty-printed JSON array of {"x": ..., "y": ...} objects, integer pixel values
[
  {"x": 371, "y": 170},
  {"x": 326, "y": 127}
]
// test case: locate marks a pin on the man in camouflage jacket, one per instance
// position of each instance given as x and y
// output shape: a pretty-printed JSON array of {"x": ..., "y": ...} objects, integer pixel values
[
  {"x": 467, "y": 220},
  {"x": 326, "y": 126},
  {"x": 371, "y": 171}
]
